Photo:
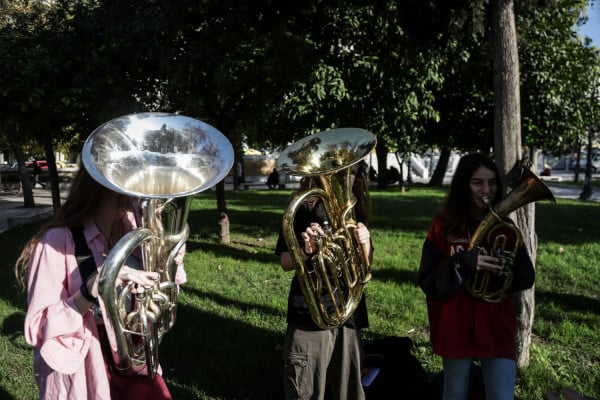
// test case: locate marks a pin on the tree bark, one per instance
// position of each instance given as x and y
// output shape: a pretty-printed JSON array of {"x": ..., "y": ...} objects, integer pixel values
[
  {"x": 382, "y": 152},
  {"x": 400, "y": 162},
  {"x": 52, "y": 172},
  {"x": 437, "y": 178},
  {"x": 223, "y": 218},
  {"x": 508, "y": 149},
  {"x": 24, "y": 176},
  {"x": 238, "y": 164}
]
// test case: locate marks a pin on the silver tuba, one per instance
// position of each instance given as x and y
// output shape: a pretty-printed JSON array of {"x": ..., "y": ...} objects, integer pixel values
[
  {"x": 334, "y": 283},
  {"x": 162, "y": 160}
]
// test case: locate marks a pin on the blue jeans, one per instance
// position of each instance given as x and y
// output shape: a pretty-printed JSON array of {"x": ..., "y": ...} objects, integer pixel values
[{"x": 499, "y": 376}]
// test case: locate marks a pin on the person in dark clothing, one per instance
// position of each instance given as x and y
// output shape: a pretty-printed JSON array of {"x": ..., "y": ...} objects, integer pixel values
[
  {"x": 463, "y": 327},
  {"x": 393, "y": 175},
  {"x": 317, "y": 360},
  {"x": 372, "y": 174},
  {"x": 37, "y": 171},
  {"x": 273, "y": 179}
]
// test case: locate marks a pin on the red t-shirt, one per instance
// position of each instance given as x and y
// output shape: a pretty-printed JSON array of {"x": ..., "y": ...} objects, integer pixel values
[{"x": 461, "y": 325}]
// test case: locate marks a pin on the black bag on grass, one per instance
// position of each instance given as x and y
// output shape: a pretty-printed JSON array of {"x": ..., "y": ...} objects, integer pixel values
[{"x": 392, "y": 371}]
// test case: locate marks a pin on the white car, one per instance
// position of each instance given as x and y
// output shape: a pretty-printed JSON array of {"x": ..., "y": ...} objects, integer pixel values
[{"x": 583, "y": 162}]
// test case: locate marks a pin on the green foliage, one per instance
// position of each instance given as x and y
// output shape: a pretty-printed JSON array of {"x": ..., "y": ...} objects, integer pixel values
[
  {"x": 51, "y": 69},
  {"x": 557, "y": 103},
  {"x": 417, "y": 75},
  {"x": 226, "y": 343}
]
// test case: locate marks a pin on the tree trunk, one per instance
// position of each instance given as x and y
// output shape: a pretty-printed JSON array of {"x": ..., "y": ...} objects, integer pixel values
[
  {"x": 52, "y": 172},
  {"x": 578, "y": 162},
  {"x": 400, "y": 162},
  {"x": 24, "y": 176},
  {"x": 238, "y": 164},
  {"x": 525, "y": 300},
  {"x": 437, "y": 178},
  {"x": 223, "y": 218},
  {"x": 382, "y": 152},
  {"x": 508, "y": 150}
]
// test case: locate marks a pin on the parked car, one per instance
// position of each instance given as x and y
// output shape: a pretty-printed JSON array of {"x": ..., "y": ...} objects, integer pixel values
[
  {"x": 42, "y": 163},
  {"x": 583, "y": 162}
]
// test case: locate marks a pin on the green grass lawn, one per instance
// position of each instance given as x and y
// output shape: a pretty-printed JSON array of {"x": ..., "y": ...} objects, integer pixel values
[{"x": 226, "y": 343}]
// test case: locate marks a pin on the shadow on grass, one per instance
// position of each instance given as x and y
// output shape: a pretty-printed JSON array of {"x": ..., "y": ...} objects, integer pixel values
[
  {"x": 407, "y": 212},
  {"x": 210, "y": 354},
  {"x": 12, "y": 327},
  {"x": 396, "y": 276},
  {"x": 568, "y": 222},
  {"x": 4, "y": 395},
  {"x": 221, "y": 250},
  {"x": 223, "y": 358},
  {"x": 252, "y": 223},
  {"x": 228, "y": 302},
  {"x": 568, "y": 302}
]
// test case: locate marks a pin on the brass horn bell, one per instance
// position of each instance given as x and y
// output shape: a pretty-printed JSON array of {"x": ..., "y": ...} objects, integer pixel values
[
  {"x": 161, "y": 159},
  {"x": 339, "y": 270}
]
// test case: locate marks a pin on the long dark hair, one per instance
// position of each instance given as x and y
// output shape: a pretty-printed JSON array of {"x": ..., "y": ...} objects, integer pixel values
[
  {"x": 360, "y": 189},
  {"x": 83, "y": 201},
  {"x": 454, "y": 212}
]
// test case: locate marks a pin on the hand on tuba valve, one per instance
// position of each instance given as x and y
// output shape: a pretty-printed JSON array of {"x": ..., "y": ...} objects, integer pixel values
[
  {"x": 313, "y": 238},
  {"x": 498, "y": 262},
  {"x": 506, "y": 263},
  {"x": 136, "y": 277}
]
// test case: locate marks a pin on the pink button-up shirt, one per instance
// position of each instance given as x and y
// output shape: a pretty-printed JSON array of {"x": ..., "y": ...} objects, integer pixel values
[{"x": 68, "y": 361}]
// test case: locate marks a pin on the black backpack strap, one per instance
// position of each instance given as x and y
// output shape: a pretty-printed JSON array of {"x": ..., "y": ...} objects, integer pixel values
[
  {"x": 87, "y": 266},
  {"x": 85, "y": 259}
]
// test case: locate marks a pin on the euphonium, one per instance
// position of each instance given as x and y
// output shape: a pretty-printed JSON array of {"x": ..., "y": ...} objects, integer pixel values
[
  {"x": 339, "y": 269},
  {"x": 160, "y": 159},
  {"x": 494, "y": 234}
]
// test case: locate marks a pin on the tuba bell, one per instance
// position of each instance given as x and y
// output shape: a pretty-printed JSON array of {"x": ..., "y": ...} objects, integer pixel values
[
  {"x": 497, "y": 237},
  {"x": 162, "y": 160},
  {"x": 339, "y": 269}
]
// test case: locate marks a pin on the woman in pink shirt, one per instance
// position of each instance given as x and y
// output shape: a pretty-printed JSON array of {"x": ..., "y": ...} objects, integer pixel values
[{"x": 60, "y": 323}]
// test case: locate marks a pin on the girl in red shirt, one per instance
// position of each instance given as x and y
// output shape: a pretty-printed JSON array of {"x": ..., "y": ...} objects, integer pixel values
[{"x": 464, "y": 328}]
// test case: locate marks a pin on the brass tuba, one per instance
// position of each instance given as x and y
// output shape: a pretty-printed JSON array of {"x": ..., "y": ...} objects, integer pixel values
[
  {"x": 492, "y": 237},
  {"x": 161, "y": 159},
  {"x": 339, "y": 269}
]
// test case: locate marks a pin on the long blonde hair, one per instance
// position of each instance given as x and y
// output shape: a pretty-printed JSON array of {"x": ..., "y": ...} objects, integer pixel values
[{"x": 84, "y": 199}]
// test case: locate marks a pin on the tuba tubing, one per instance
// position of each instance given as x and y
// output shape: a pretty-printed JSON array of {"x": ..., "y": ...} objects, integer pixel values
[
  {"x": 116, "y": 332},
  {"x": 529, "y": 189}
]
